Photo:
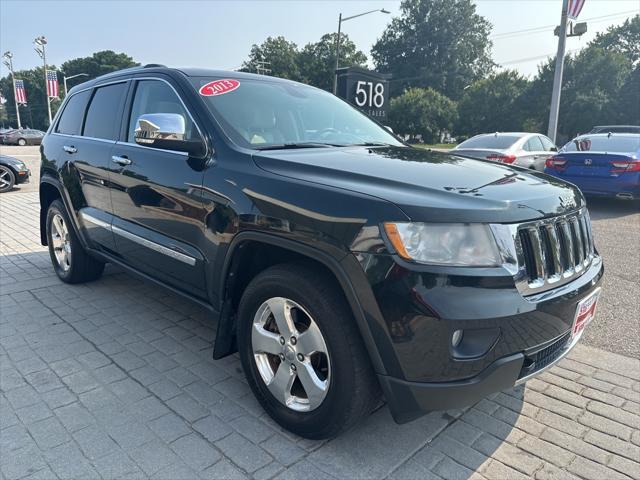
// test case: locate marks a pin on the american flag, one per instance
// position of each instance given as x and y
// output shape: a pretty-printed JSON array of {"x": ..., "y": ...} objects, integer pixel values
[
  {"x": 52, "y": 84},
  {"x": 575, "y": 7},
  {"x": 21, "y": 93}
]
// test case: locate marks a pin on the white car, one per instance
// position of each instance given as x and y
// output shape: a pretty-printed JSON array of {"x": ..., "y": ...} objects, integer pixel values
[{"x": 529, "y": 150}]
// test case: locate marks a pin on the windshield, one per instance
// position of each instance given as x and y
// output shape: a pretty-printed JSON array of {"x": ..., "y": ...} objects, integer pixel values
[
  {"x": 490, "y": 141},
  {"x": 604, "y": 143},
  {"x": 261, "y": 114}
]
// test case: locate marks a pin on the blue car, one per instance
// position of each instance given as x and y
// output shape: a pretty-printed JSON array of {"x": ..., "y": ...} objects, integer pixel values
[{"x": 604, "y": 164}]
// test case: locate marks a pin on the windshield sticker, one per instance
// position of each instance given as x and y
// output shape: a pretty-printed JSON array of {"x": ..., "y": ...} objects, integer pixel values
[{"x": 219, "y": 87}]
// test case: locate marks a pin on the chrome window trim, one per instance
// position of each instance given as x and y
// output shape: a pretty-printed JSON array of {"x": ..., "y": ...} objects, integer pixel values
[
  {"x": 104, "y": 140},
  {"x": 125, "y": 80},
  {"x": 182, "y": 257}
]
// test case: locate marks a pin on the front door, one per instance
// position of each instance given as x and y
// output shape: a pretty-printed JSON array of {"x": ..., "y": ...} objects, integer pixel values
[{"x": 158, "y": 210}]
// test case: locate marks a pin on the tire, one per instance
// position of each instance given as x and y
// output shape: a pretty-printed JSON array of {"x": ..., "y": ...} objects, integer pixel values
[
  {"x": 7, "y": 179},
  {"x": 70, "y": 261},
  {"x": 351, "y": 390},
  {"x": 22, "y": 142}
]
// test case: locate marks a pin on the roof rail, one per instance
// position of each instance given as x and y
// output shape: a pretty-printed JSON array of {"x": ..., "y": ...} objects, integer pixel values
[{"x": 154, "y": 65}]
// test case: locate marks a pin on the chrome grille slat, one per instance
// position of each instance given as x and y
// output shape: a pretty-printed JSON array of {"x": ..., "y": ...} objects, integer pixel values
[{"x": 552, "y": 252}]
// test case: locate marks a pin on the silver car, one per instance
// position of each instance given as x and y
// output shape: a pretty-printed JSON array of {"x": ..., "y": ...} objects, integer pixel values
[{"x": 529, "y": 150}]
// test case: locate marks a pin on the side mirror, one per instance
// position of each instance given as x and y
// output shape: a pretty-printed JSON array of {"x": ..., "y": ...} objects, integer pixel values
[
  {"x": 554, "y": 149},
  {"x": 166, "y": 131}
]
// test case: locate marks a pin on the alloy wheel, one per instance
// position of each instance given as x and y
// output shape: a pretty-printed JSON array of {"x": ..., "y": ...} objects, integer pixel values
[
  {"x": 61, "y": 242},
  {"x": 6, "y": 180},
  {"x": 291, "y": 354}
]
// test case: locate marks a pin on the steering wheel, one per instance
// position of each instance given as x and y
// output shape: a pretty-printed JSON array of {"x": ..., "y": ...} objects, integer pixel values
[{"x": 325, "y": 132}]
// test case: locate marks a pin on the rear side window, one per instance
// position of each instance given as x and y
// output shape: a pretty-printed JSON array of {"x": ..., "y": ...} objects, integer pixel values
[
  {"x": 103, "y": 116},
  {"x": 548, "y": 144},
  {"x": 70, "y": 121},
  {"x": 534, "y": 145}
]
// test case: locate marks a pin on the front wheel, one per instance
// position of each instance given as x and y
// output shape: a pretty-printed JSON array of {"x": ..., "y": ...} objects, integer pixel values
[
  {"x": 22, "y": 142},
  {"x": 70, "y": 261},
  {"x": 7, "y": 179},
  {"x": 302, "y": 353}
]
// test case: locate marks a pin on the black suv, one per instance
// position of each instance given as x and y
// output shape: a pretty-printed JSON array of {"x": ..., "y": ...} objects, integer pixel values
[{"x": 341, "y": 263}]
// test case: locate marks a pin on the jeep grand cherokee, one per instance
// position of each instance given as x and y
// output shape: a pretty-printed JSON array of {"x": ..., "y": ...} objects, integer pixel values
[{"x": 339, "y": 262}]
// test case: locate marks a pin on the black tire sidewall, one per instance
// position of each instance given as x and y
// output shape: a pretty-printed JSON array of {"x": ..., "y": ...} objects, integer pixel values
[
  {"x": 12, "y": 177},
  {"x": 336, "y": 403}
]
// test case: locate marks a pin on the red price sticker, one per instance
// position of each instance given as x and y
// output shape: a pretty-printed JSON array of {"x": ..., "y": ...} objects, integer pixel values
[{"x": 219, "y": 87}]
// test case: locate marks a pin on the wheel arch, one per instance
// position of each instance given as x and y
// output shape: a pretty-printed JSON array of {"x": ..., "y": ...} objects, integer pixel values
[
  {"x": 51, "y": 189},
  {"x": 239, "y": 269}
]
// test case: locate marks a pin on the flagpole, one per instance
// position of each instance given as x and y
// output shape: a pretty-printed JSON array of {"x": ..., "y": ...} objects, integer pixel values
[
  {"x": 8, "y": 56},
  {"x": 554, "y": 111},
  {"x": 41, "y": 42}
]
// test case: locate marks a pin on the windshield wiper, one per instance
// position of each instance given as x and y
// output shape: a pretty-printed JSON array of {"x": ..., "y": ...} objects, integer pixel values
[
  {"x": 293, "y": 145},
  {"x": 370, "y": 144}
]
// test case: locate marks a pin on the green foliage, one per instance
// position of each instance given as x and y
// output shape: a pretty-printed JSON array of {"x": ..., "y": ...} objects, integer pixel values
[
  {"x": 624, "y": 39},
  {"x": 423, "y": 112},
  {"x": 492, "y": 104},
  {"x": 317, "y": 60},
  {"x": 34, "y": 114},
  {"x": 440, "y": 44},
  {"x": 281, "y": 54},
  {"x": 314, "y": 64}
]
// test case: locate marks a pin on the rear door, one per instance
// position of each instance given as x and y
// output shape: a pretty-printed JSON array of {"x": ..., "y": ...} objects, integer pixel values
[{"x": 533, "y": 152}]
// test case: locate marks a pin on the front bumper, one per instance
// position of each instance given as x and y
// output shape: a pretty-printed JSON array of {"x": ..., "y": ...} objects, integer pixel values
[
  {"x": 23, "y": 176},
  {"x": 522, "y": 336}
]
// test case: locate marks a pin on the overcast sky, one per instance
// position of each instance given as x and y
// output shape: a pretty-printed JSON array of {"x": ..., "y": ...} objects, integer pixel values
[{"x": 219, "y": 34}]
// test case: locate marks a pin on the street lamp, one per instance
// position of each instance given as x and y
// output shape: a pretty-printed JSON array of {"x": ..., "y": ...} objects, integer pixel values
[
  {"x": 340, "y": 20},
  {"x": 65, "y": 78},
  {"x": 7, "y": 59},
  {"x": 40, "y": 42}
]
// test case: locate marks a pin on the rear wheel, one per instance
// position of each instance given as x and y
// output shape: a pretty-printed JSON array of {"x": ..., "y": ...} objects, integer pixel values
[
  {"x": 22, "y": 142},
  {"x": 70, "y": 261},
  {"x": 302, "y": 353},
  {"x": 7, "y": 179}
]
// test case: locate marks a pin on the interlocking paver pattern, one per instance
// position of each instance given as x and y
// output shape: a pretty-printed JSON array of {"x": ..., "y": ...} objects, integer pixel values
[{"x": 115, "y": 379}]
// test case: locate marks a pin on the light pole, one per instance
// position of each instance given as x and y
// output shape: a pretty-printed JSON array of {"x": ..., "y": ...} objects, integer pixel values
[
  {"x": 8, "y": 61},
  {"x": 340, "y": 20},
  {"x": 40, "y": 42},
  {"x": 65, "y": 78}
]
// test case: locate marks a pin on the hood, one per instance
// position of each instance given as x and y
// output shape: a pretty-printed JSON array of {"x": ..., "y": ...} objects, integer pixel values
[{"x": 430, "y": 186}]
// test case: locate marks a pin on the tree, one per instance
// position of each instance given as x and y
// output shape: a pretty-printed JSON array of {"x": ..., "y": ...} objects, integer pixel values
[
  {"x": 492, "y": 104},
  {"x": 628, "y": 107},
  {"x": 34, "y": 114},
  {"x": 624, "y": 39},
  {"x": 317, "y": 60},
  {"x": 422, "y": 112},
  {"x": 440, "y": 44},
  {"x": 281, "y": 55}
]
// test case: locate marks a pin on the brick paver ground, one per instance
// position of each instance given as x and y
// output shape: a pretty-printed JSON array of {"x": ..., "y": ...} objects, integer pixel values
[{"x": 114, "y": 379}]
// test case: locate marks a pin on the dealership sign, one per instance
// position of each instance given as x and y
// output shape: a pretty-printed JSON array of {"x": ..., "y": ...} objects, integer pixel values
[{"x": 366, "y": 90}]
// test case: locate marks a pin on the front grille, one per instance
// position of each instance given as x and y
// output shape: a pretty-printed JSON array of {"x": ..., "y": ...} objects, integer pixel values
[
  {"x": 552, "y": 252},
  {"x": 542, "y": 358}
]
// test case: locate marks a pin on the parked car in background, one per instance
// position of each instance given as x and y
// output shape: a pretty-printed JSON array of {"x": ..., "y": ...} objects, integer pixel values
[
  {"x": 25, "y": 136},
  {"x": 606, "y": 164},
  {"x": 4, "y": 132},
  {"x": 12, "y": 172},
  {"x": 529, "y": 150},
  {"x": 616, "y": 129}
]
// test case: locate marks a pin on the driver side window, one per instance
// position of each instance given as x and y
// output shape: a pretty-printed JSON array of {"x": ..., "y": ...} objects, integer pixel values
[{"x": 155, "y": 96}]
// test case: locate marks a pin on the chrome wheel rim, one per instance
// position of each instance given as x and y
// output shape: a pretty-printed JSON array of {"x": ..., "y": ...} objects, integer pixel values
[
  {"x": 5, "y": 178},
  {"x": 291, "y": 354},
  {"x": 60, "y": 242}
]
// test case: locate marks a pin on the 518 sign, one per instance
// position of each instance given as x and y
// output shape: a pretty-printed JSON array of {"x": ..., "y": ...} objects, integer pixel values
[{"x": 369, "y": 94}]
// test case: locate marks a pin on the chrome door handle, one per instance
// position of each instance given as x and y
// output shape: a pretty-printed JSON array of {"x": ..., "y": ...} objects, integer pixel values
[
  {"x": 70, "y": 149},
  {"x": 121, "y": 160}
]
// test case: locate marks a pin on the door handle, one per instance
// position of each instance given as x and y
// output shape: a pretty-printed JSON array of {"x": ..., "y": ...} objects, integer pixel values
[
  {"x": 121, "y": 160},
  {"x": 70, "y": 149}
]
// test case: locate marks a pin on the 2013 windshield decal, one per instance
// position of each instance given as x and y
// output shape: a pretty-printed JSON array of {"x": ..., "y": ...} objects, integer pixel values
[{"x": 219, "y": 87}]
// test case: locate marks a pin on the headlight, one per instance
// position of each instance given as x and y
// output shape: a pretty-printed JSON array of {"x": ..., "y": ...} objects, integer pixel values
[{"x": 468, "y": 245}]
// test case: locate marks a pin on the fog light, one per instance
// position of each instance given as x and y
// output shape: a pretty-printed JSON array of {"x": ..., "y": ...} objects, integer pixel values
[{"x": 456, "y": 338}]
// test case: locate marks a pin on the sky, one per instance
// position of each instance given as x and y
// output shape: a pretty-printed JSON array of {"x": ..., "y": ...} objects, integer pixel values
[{"x": 219, "y": 34}]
